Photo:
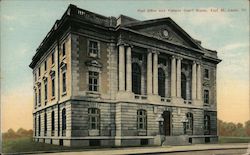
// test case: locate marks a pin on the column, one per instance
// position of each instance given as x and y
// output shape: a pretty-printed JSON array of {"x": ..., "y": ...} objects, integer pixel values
[
  {"x": 121, "y": 69},
  {"x": 149, "y": 73},
  {"x": 173, "y": 77},
  {"x": 198, "y": 82},
  {"x": 178, "y": 78},
  {"x": 194, "y": 81},
  {"x": 129, "y": 70},
  {"x": 155, "y": 73}
]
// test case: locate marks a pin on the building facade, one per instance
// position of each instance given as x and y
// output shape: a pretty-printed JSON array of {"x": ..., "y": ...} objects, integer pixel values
[{"x": 106, "y": 81}]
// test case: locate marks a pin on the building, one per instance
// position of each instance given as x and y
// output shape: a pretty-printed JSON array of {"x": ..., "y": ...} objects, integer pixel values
[{"x": 122, "y": 82}]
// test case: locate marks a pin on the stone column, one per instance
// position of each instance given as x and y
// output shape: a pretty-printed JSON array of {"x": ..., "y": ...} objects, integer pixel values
[
  {"x": 149, "y": 73},
  {"x": 155, "y": 73},
  {"x": 173, "y": 77},
  {"x": 194, "y": 81},
  {"x": 121, "y": 68},
  {"x": 178, "y": 78},
  {"x": 198, "y": 93},
  {"x": 129, "y": 70}
]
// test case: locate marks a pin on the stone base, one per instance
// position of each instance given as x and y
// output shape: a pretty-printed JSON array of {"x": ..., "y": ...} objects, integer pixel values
[
  {"x": 125, "y": 95},
  {"x": 177, "y": 100},
  {"x": 154, "y": 98}
]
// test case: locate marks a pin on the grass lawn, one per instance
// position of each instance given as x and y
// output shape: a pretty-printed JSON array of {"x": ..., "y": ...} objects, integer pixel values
[
  {"x": 234, "y": 139},
  {"x": 25, "y": 144}
]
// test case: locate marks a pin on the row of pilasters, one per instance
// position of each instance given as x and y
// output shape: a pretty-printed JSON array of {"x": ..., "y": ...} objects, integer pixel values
[{"x": 125, "y": 66}]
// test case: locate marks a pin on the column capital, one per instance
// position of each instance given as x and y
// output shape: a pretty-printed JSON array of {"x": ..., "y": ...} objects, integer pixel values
[
  {"x": 179, "y": 58},
  {"x": 173, "y": 57}
]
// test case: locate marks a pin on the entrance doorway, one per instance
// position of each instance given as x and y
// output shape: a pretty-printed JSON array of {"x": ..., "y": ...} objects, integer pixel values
[{"x": 166, "y": 123}]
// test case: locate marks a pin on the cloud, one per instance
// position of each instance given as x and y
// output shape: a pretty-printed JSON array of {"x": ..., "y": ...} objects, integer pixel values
[{"x": 234, "y": 46}]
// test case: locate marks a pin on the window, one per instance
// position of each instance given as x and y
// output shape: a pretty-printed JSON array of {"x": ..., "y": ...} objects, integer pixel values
[
  {"x": 45, "y": 65},
  {"x": 45, "y": 91},
  {"x": 35, "y": 126},
  {"x": 93, "y": 81},
  {"x": 141, "y": 119},
  {"x": 35, "y": 76},
  {"x": 206, "y": 96},
  {"x": 206, "y": 73},
  {"x": 161, "y": 82},
  {"x": 136, "y": 78},
  {"x": 39, "y": 125},
  {"x": 183, "y": 86},
  {"x": 206, "y": 124},
  {"x": 53, "y": 85},
  {"x": 39, "y": 95},
  {"x": 39, "y": 72},
  {"x": 94, "y": 118},
  {"x": 93, "y": 48},
  {"x": 63, "y": 49},
  {"x": 45, "y": 124},
  {"x": 52, "y": 123},
  {"x": 35, "y": 98},
  {"x": 64, "y": 122},
  {"x": 53, "y": 58},
  {"x": 64, "y": 82},
  {"x": 189, "y": 123}
]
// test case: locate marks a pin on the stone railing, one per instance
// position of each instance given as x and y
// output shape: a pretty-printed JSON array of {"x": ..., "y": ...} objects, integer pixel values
[
  {"x": 164, "y": 99},
  {"x": 141, "y": 97},
  {"x": 187, "y": 101}
]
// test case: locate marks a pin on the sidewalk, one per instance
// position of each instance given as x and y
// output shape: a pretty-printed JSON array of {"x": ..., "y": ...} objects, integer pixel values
[{"x": 158, "y": 149}]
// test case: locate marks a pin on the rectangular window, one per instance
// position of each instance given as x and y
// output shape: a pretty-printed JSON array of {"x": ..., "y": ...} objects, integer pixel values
[
  {"x": 52, "y": 123},
  {"x": 94, "y": 118},
  {"x": 35, "y": 98},
  {"x": 39, "y": 95},
  {"x": 141, "y": 119},
  {"x": 206, "y": 73},
  {"x": 45, "y": 124},
  {"x": 53, "y": 58},
  {"x": 64, "y": 81},
  {"x": 53, "y": 86},
  {"x": 93, "y": 81},
  {"x": 93, "y": 48},
  {"x": 63, "y": 49},
  {"x": 35, "y": 76},
  {"x": 45, "y": 65},
  {"x": 206, "y": 96},
  {"x": 45, "y": 92}
]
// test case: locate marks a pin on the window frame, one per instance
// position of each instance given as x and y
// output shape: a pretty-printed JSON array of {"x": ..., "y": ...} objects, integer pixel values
[
  {"x": 39, "y": 95},
  {"x": 45, "y": 65},
  {"x": 190, "y": 122},
  {"x": 64, "y": 82},
  {"x": 53, "y": 86},
  {"x": 52, "y": 123},
  {"x": 53, "y": 57},
  {"x": 206, "y": 73},
  {"x": 63, "y": 49},
  {"x": 45, "y": 124},
  {"x": 91, "y": 53},
  {"x": 206, "y": 96},
  {"x": 92, "y": 77},
  {"x": 207, "y": 123},
  {"x": 45, "y": 91},
  {"x": 141, "y": 119},
  {"x": 64, "y": 122},
  {"x": 96, "y": 114}
]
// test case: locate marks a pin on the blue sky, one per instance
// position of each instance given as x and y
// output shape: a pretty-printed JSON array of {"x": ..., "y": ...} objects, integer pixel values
[{"x": 24, "y": 24}]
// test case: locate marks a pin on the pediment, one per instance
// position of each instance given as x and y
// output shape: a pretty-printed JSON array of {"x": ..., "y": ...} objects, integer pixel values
[
  {"x": 93, "y": 63},
  {"x": 165, "y": 29}
]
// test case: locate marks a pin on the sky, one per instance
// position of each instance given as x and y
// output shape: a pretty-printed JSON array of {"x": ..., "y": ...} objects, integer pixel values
[{"x": 24, "y": 24}]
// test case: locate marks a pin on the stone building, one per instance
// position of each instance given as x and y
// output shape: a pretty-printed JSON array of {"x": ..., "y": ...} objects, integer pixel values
[{"x": 122, "y": 82}]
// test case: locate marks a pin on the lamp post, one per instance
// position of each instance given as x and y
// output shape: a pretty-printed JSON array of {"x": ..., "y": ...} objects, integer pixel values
[{"x": 160, "y": 120}]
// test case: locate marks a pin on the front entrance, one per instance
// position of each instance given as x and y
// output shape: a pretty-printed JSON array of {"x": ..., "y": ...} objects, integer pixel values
[{"x": 166, "y": 123}]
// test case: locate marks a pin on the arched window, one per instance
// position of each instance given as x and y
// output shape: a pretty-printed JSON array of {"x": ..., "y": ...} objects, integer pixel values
[
  {"x": 136, "y": 78},
  {"x": 206, "y": 124},
  {"x": 52, "y": 123},
  {"x": 39, "y": 125},
  {"x": 141, "y": 119},
  {"x": 183, "y": 86},
  {"x": 64, "y": 122},
  {"x": 161, "y": 82},
  {"x": 189, "y": 124},
  {"x": 94, "y": 118},
  {"x": 45, "y": 124}
]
